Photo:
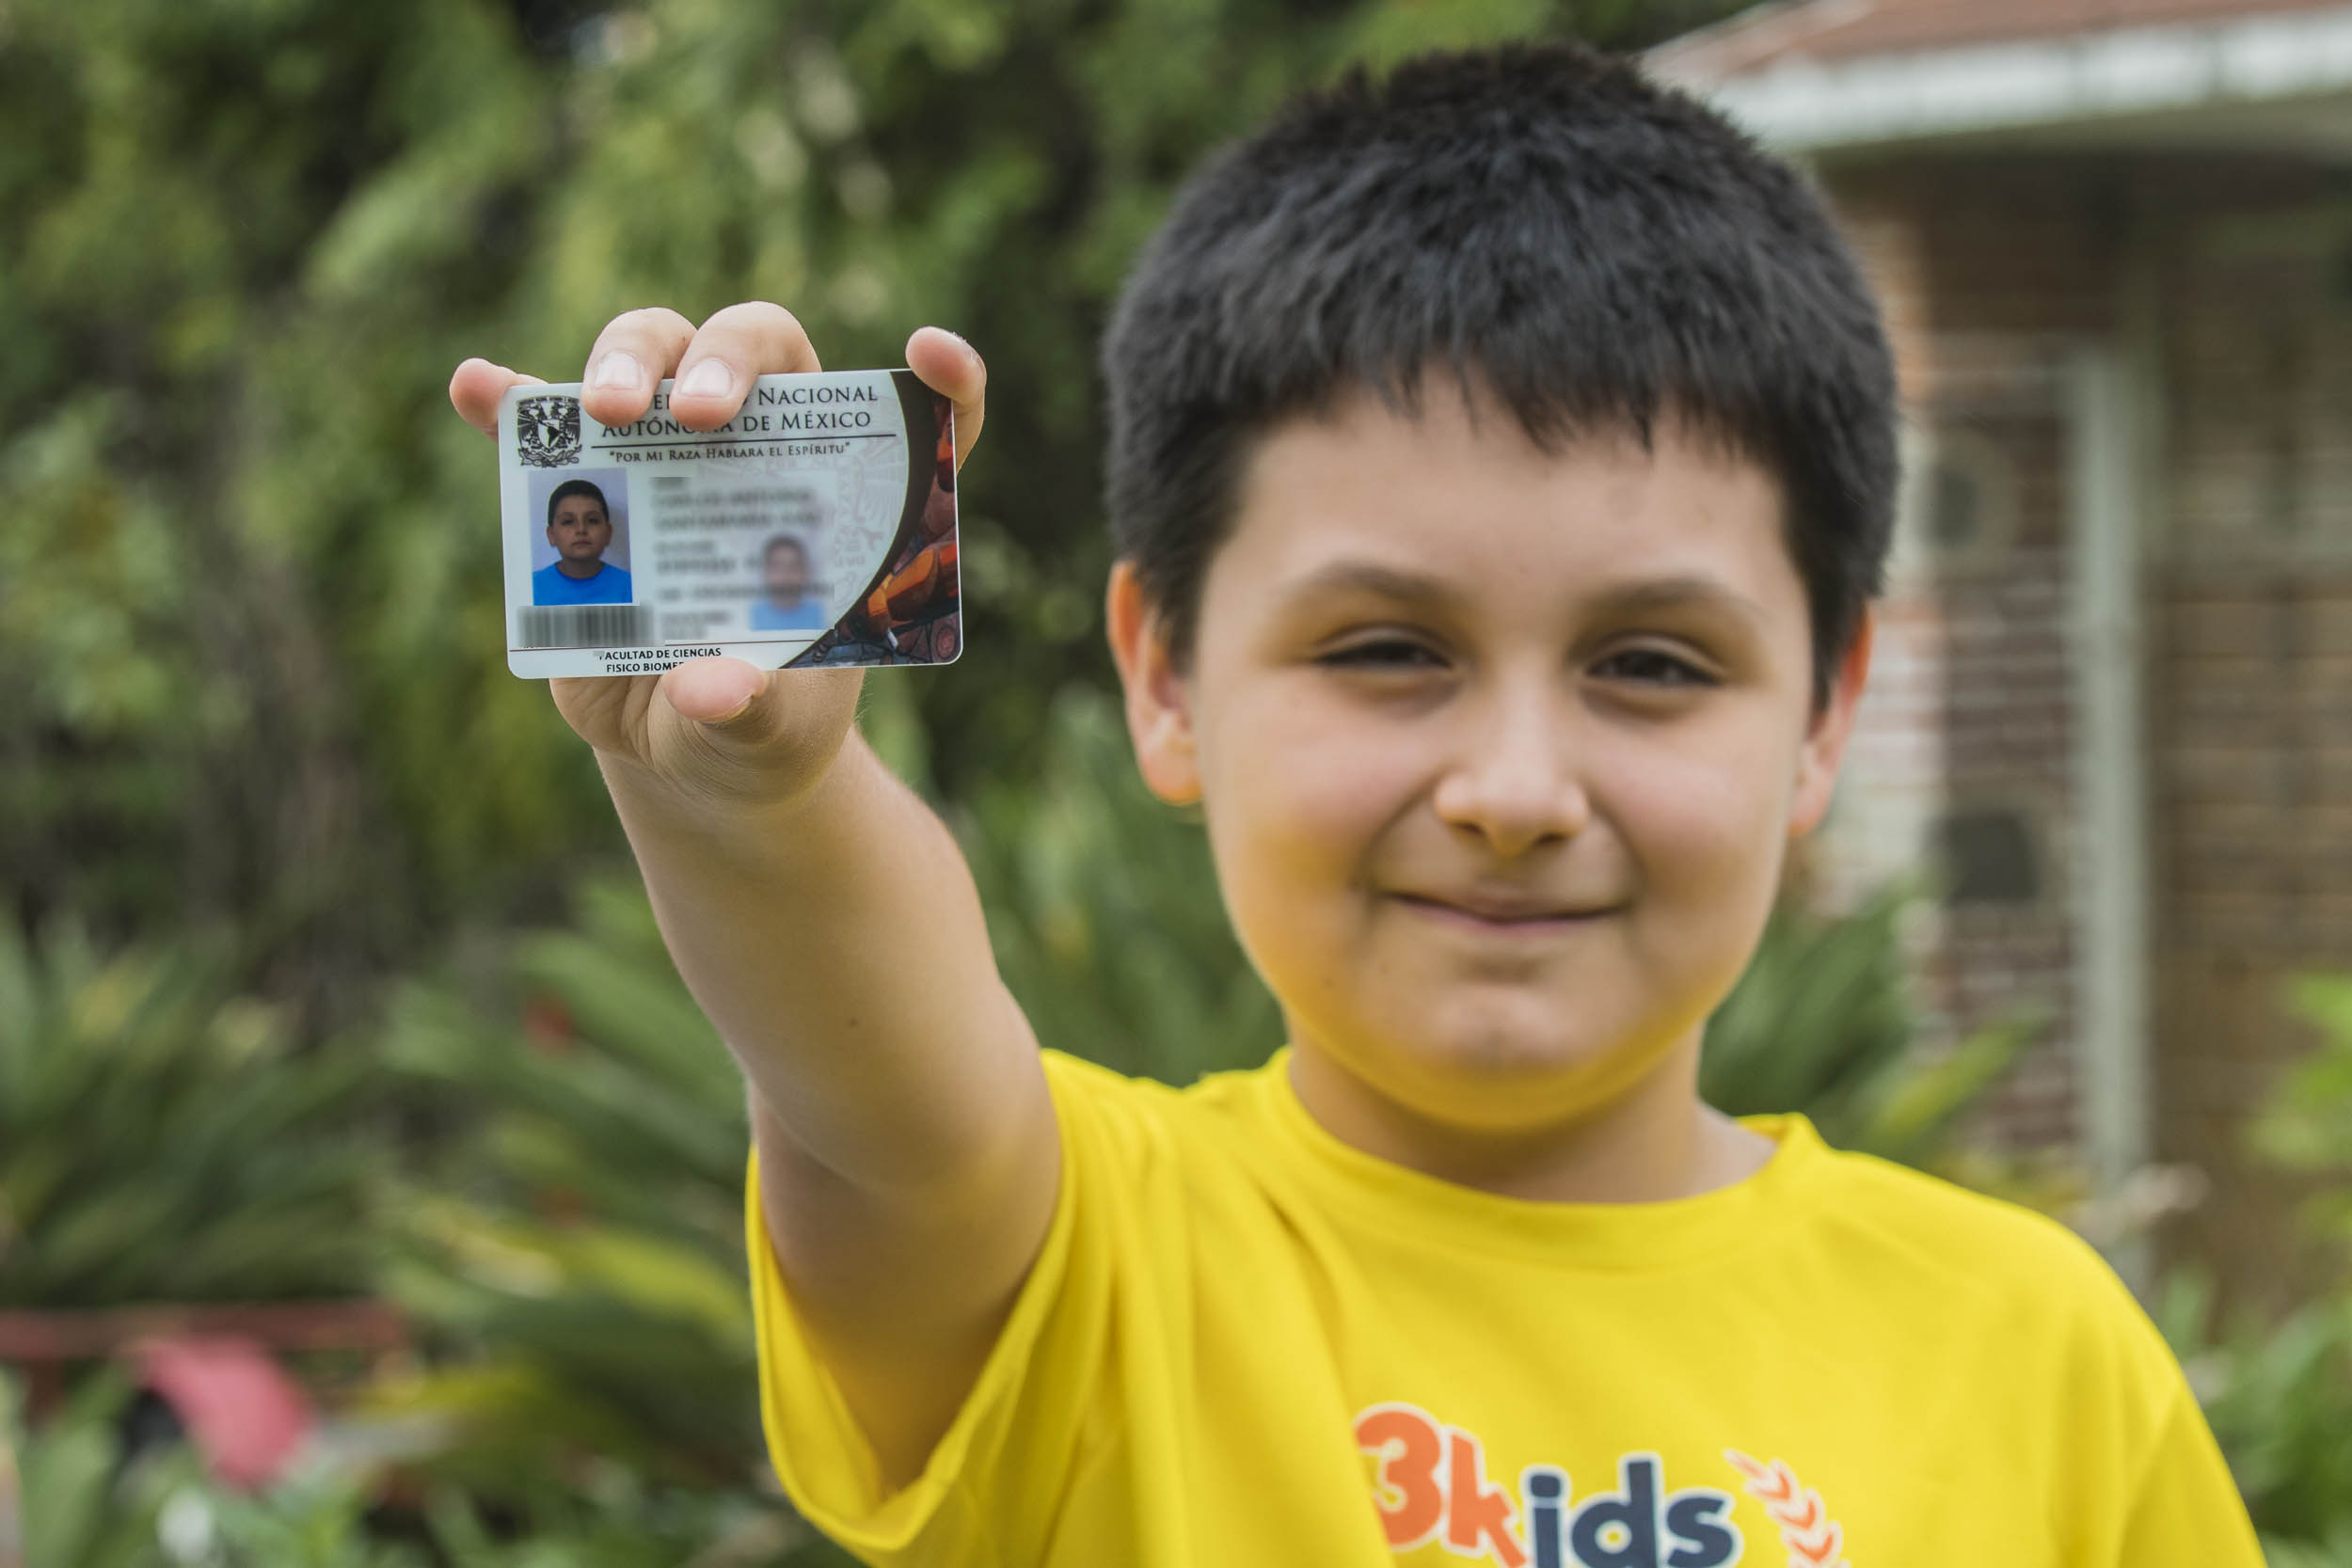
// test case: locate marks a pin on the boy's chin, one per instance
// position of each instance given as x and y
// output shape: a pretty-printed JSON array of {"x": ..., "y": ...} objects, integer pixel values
[{"x": 1502, "y": 1075}]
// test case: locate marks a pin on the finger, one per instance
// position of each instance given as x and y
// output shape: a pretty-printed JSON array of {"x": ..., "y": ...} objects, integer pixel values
[
  {"x": 737, "y": 343},
  {"x": 636, "y": 349},
  {"x": 712, "y": 690},
  {"x": 952, "y": 368},
  {"x": 775, "y": 722},
  {"x": 475, "y": 391}
]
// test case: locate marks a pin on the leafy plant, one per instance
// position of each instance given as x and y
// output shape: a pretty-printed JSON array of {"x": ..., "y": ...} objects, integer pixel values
[
  {"x": 2278, "y": 1397},
  {"x": 1104, "y": 914},
  {"x": 164, "y": 1139},
  {"x": 2306, "y": 1127},
  {"x": 88, "y": 1505},
  {"x": 2277, "y": 1391},
  {"x": 590, "y": 1199},
  {"x": 576, "y": 1247},
  {"x": 1822, "y": 1022}
]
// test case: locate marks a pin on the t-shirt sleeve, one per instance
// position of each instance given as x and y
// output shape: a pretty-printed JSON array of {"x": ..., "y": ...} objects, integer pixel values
[
  {"x": 2151, "y": 1486},
  {"x": 992, "y": 1488},
  {"x": 2186, "y": 1509}
]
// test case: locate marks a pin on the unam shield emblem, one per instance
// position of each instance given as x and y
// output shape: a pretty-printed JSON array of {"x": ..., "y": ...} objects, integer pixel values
[{"x": 547, "y": 431}]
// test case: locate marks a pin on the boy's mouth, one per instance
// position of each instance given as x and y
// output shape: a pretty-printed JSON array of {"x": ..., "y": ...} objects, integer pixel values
[{"x": 1503, "y": 911}]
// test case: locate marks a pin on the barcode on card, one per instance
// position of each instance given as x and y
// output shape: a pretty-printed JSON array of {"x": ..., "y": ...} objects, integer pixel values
[{"x": 583, "y": 625}]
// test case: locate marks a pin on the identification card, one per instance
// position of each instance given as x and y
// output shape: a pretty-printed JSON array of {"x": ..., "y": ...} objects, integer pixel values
[{"x": 818, "y": 526}]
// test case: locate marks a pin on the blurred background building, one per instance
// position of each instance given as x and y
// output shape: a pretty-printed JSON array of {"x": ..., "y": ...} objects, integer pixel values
[{"x": 2114, "y": 688}]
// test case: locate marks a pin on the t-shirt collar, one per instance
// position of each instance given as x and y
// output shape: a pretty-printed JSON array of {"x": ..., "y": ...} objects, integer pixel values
[{"x": 1617, "y": 1236}]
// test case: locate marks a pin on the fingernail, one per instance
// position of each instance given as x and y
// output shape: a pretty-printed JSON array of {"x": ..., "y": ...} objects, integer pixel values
[
  {"x": 617, "y": 372},
  {"x": 709, "y": 379}
]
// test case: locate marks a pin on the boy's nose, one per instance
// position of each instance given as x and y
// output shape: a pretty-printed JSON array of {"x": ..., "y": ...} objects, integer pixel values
[{"x": 1515, "y": 784}]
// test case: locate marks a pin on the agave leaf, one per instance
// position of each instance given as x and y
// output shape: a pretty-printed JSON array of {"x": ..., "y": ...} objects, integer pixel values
[{"x": 168, "y": 1142}]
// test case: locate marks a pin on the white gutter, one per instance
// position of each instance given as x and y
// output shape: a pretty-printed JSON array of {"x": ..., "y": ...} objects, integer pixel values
[
  {"x": 1801, "y": 105},
  {"x": 2110, "y": 870}
]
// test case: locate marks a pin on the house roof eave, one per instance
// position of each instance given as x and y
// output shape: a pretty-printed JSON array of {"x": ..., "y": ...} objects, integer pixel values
[{"x": 2125, "y": 73}]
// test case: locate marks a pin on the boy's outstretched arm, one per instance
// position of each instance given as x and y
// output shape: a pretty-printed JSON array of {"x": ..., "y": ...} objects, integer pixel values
[{"x": 825, "y": 921}]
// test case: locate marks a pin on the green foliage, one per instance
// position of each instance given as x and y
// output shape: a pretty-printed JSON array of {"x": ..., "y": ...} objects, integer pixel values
[
  {"x": 2336, "y": 1552},
  {"x": 2278, "y": 1397},
  {"x": 163, "y": 1139},
  {"x": 86, "y": 1508},
  {"x": 631, "y": 1529},
  {"x": 2279, "y": 1392},
  {"x": 246, "y": 658},
  {"x": 1104, "y": 915},
  {"x": 576, "y": 1248},
  {"x": 1823, "y": 1021},
  {"x": 75, "y": 1513},
  {"x": 2307, "y": 1125},
  {"x": 585, "y": 1194}
]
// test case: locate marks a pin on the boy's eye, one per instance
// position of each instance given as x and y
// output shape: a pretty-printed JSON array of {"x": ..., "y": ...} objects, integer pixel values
[
  {"x": 1653, "y": 667},
  {"x": 1382, "y": 654}
]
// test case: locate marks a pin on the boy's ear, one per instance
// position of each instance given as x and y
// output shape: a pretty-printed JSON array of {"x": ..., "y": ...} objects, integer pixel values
[
  {"x": 1159, "y": 708},
  {"x": 1833, "y": 723}
]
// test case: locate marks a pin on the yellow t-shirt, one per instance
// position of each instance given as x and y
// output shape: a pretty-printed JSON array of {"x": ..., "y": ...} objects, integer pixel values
[{"x": 1245, "y": 1344}]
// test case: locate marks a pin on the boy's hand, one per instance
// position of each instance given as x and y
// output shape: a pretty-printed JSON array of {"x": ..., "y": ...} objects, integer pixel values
[{"x": 719, "y": 730}]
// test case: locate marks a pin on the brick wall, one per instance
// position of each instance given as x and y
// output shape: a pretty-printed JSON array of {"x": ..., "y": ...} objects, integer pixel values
[
  {"x": 2252, "y": 748},
  {"x": 1991, "y": 270}
]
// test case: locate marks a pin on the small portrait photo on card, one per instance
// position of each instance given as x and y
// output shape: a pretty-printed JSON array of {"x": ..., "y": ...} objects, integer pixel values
[
  {"x": 791, "y": 593},
  {"x": 583, "y": 556}
]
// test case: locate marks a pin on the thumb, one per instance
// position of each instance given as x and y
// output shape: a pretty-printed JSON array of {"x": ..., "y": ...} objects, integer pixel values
[
  {"x": 741, "y": 731},
  {"x": 713, "y": 690}
]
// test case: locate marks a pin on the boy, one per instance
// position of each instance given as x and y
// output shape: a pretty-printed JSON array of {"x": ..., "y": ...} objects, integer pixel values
[
  {"x": 1501, "y": 460},
  {"x": 579, "y": 529}
]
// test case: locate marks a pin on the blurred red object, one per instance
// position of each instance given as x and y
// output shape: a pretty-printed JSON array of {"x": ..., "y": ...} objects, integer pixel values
[
  {"x": 548, "y": 1026},
  {"x": 41, "y": 1345},
  {"x": 245, "y": 1415}
]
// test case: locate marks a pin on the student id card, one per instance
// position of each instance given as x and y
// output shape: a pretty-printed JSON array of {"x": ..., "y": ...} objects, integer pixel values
[{"x": 817, "y": 527}]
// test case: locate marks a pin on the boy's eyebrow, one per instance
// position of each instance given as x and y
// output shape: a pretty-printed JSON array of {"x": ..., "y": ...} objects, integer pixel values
[
  {"x": 1370, "y": 577},
  {"x": 1654, "y": 593},
  {"x": 1673, "y": 592}
]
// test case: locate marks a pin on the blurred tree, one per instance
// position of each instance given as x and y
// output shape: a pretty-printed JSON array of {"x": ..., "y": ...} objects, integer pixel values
[{"x": 248, "y": 576}]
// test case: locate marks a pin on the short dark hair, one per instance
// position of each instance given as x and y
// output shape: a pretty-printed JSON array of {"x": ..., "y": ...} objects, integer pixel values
[
  {"x": 1590, "y": 249},
  {"x": 577, "y": 487},
  {"x": 783, "y": 541}
]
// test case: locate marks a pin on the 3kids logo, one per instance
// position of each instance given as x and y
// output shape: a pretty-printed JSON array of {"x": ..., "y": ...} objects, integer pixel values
[{"x": 1432, "y": 1486}]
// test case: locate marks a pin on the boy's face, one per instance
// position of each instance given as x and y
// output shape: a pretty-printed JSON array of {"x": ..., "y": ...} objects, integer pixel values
[
  {"x": 579, "y": 530},
  {"x": 1500, "y": 751}
]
